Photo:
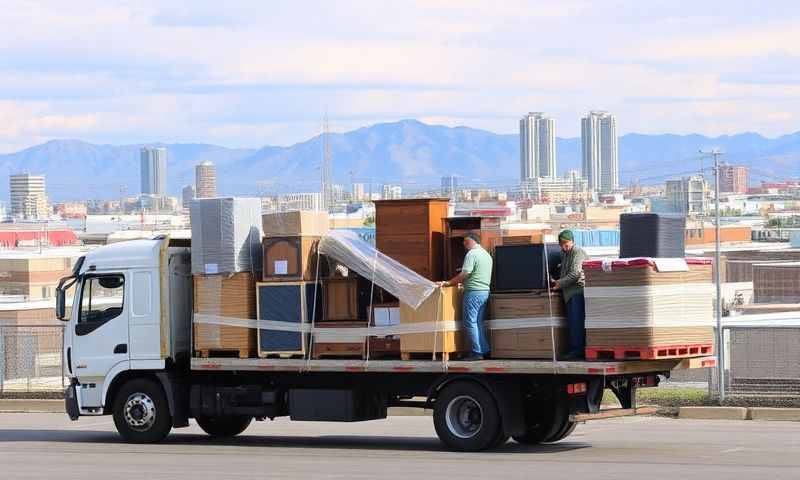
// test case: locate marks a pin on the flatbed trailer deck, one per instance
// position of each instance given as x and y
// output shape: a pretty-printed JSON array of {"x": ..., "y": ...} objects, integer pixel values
[{"x": 529, "y": 367}]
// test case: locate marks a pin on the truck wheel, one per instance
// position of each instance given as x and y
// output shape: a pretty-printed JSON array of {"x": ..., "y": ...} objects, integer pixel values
[
  {"x": 466, "y": 418},
  {"x": 228, "y": 426},
  {"x": 141, "y": 412},
  {"x": 544, "y": 420},
  {"x": 566, "y": 431}
]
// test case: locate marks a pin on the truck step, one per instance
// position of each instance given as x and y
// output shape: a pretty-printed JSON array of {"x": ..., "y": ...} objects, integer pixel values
[
  {"x": 649, "y": 352},
  {"x": 226, "y": 353}
]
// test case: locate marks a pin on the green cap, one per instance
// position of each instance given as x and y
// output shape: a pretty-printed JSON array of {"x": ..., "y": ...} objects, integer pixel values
[{"x": 565, "y": 235}]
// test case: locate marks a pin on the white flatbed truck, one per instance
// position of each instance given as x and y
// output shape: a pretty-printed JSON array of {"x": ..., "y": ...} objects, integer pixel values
[{"x": 128, "y": 353}]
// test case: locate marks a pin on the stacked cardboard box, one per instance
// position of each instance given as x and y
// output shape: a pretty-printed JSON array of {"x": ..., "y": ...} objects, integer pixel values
[
  {"x": 634, "y": 309},
  {"x": 219, "y": 298},
  {"x": 226, "y": 261},
  {"x": 289, "y": 291},
  {"x": 527, "y": 325},
  {"x": 385, "y": 315}
]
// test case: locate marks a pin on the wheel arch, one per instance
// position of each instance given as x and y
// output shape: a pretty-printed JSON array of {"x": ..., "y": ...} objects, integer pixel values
[{"x": 124, "y": 377}]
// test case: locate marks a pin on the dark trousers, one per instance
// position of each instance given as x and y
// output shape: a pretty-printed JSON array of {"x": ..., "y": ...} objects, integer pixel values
[{"x": 576, "y": 322}]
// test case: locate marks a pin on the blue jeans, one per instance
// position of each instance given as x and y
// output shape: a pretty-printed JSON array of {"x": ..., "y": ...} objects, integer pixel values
[
  {"x": 474, "y": 312},
  {"x": 576, "y": 321}
]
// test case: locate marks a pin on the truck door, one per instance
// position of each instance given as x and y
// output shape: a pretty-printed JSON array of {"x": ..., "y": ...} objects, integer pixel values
[{"x": 100, "y": 334}]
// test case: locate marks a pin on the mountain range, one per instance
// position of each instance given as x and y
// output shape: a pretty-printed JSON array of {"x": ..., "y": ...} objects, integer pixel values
[{"x": 407, "y": 152}]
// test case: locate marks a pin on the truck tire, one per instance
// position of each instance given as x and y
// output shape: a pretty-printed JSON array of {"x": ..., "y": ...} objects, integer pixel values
[
  {"x": 544, "y": 421},
  {"x": 566, "y": 431},
  {"x": 141, "y": 412},
  {"x": 228, "y": 426},
  {"x": 466, "y": 418}
]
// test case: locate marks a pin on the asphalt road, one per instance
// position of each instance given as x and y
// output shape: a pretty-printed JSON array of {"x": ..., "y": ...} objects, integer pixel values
[{"x": 50, "y": 446}]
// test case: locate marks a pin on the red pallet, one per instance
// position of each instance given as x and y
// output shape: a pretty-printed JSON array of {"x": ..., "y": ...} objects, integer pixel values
[{"x": 649, "y": 353}]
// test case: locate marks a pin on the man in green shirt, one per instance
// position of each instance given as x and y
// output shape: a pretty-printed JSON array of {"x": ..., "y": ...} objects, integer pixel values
[
  {"x": 571, "y": 282},
  {"x": 476, "y": 275}
]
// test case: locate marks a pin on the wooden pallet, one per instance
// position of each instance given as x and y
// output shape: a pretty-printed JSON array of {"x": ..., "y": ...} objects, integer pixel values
[
  {"x": 649, "y": 352},
  {"x": 226, "y": 353}
]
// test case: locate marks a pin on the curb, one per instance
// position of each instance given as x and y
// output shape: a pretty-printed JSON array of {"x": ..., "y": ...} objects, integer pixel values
[
  {"x": 31, "y": 406},
  {"x": 714, "y": 413},
  {"x": 775, "y": 414}
]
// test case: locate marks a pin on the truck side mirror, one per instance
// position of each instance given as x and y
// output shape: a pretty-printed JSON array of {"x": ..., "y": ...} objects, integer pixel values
[{"x": 61, "y": 305}]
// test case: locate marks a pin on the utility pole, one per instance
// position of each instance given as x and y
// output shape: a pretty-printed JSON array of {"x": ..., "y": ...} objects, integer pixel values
[
  {"x": 715, "y": 154},
  {"x": 326, "y": 166}
]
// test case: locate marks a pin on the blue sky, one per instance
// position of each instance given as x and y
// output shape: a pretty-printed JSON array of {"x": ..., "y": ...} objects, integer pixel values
[{"x": 265, "y": 72}]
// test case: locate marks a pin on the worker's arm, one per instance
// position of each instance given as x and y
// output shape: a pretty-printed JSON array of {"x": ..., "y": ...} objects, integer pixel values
[
  {"x": 459, "y": 278},
  {"x": 573, "y": 272},
  {"x": 466, "y": 269}
]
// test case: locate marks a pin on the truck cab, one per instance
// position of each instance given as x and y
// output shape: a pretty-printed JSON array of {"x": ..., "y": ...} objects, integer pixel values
[{"x": 130, "y": 312}]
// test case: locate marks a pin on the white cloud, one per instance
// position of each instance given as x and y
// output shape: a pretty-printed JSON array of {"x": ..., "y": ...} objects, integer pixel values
[{"x": 258, "y": 73}]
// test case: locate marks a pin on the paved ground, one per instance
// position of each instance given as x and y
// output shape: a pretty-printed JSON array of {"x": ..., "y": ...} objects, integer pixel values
[{"x": 50, "y": 446}]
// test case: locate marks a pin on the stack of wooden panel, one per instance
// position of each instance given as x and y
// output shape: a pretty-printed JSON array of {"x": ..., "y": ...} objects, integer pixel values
[
  {"x": 436, "y": 319},
  {"x": 776, "y": 282},
  {"x": 527, "y": 325},
  {"x": 635, "y": 310},
  {"x": 222, "y": 297}
]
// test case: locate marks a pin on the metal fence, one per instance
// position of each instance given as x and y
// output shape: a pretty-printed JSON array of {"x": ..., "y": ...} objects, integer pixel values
[
  {"x": 761, "y": 361},
  {"x": 30, "y": 359}
]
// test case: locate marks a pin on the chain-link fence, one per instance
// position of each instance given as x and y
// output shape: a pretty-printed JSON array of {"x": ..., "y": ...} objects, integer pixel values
[
  {"x": 30, "y": 359},
  {"x": 761, "y": 358}
]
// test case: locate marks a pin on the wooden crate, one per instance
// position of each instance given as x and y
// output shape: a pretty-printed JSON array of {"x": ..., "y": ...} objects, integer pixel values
[
  {"x": 294, "y": 302},
  {"x": 345, "y": 348},
  {"x": 341, "y": 299},
  {"x": 527, "y": 342},
  {"x": 444, "y": 305},
  {"x": 384, "y": 347},
  {"x": 291, "y": 259},
  {"x": 412, "y": 232},
  {"x": 224, "y": 296},
  {"x": 297, "y": 223}
]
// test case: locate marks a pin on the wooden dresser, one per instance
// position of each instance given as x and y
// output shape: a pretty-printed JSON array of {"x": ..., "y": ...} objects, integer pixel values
[{"x": 412, "y": 232}]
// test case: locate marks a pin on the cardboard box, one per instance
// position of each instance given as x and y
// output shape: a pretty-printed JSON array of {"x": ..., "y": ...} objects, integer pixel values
[
  {"x": 528, "y": 340},
  {"x": 444, "y": 307},
  {"x": 298, "y": 223},
  {"x": 224, "y": 296}
]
